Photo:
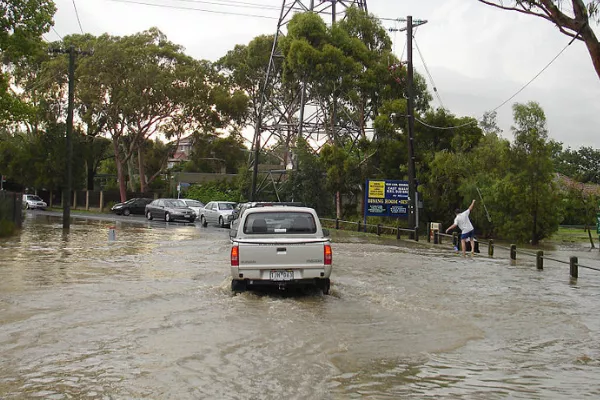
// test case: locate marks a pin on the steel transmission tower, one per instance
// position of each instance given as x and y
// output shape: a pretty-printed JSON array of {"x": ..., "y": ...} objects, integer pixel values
[{"x": 286, "y": 114}]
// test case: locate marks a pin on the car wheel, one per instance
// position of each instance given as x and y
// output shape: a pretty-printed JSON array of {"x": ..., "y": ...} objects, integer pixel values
[
  {"x": 126, "y": 212},
  {"x": 238, "y": 286},
  {"x": 192, "y": 219},
  {"x": 221, "y": 223},
  {"x": 167, "y": 217},
  {"x": 27, "y": 206},
  {"x": 149, "y": 216},
  {"x": 203, "y": 221}
]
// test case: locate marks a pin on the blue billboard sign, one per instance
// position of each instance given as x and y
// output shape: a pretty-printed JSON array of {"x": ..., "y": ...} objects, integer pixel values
[{"x": 385, "y": 198}]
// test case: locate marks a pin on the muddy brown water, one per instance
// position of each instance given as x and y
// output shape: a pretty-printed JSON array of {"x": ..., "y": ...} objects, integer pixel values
[{"x": 151, "y": 316}]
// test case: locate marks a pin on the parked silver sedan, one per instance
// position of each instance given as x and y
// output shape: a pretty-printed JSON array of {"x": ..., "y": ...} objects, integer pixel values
[{"x": 217, "y": 212}]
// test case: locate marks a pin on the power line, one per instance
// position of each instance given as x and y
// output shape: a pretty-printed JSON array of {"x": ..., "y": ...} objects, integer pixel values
[
  {"x": 77, "y": 14},
  {"x": 515, "y": 94},
  {"x": 191, "y": 8},
  {"x": 429, "y": 74},
  {"x": 57, "y": 34},
  {"x": 238, "y": 4}
]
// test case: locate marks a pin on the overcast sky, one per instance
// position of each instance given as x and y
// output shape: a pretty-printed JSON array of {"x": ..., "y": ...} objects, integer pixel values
[{"x": 478, "y": 56}]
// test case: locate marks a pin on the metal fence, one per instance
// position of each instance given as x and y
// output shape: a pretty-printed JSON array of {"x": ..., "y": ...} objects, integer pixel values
[{"x": 438, "y": 239}]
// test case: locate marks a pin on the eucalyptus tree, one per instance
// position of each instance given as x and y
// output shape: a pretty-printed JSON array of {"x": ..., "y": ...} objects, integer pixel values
[
  {"x": 573, "y": 20},
  {"x": 22, "y": 24},
  {"x": 142, "y": 86}
]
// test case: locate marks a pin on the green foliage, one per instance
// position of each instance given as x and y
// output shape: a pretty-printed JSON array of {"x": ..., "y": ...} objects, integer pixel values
[
  {"x": 582, "y": 165},
  {"x": 212, "y": 153},
  {"x": 39, "y": 161},
  {"x": 579, "y": 207},
  {"x": 215, "y": 191},
  {"x": 307, "y": 184},
  {"x": 530, "y": 195},
  {"x": 7, "y": 228},
  {"x": 22, "y": 23}
]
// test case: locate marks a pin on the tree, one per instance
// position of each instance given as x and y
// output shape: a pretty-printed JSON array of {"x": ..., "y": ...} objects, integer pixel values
[
  {"x": 22, "y": 23},
  {"x": 307, "y": 183},
  {"x": 214, "y": 154},
  {"x": 137, "y": 87},
  {"x": 532, "y": 201},
  {"x": 574, "y": 23},
  {"x": 582, "y": 165}
]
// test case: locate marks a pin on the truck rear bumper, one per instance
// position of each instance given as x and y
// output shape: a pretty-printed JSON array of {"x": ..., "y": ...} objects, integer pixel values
[{"x": 264, "y": 274}]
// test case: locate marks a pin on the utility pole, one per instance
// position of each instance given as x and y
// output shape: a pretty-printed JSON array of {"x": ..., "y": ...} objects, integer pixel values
[
  {"x": 66, "y": 194},
  {"x": 412, "y": 187},
  {"x": 413, "y": 216}
]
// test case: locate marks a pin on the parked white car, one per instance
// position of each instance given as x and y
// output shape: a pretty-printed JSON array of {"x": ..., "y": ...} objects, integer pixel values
[
  {"x": 280, "y": 246},
  {"x": 32, "y": 201},
  {"x": 217, "y": 212},
  {"x": 194, "y": 205}
]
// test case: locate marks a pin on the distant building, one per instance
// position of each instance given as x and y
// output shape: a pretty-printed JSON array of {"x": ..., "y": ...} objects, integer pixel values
[{"x": 182, "y": 153}]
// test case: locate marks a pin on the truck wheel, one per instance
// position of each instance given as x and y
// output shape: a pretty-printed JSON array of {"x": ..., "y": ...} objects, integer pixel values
[
  {"x": 221, "y": 223},
  {"x": 238, "y": 286},
  {"x": 325, "y": 285}
]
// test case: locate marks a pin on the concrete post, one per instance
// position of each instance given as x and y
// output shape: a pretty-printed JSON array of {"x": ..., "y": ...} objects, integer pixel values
[{"x": 513, "y": 251}]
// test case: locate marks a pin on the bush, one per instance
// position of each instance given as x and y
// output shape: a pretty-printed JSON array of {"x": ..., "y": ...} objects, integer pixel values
[
  {"x": 7, "y": 228},
  {"x": 215, "y": 191}
]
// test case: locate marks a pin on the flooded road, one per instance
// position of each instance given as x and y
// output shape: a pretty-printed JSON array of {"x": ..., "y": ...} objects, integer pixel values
[{"x": 151, "y": 316}]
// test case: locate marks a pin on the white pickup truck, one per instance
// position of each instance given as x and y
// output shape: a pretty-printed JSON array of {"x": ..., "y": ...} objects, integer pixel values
[{"x": 280, "y": 246}]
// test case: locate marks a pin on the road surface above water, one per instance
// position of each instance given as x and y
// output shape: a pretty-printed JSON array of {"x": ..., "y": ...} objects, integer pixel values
[{"x": 151, "y": 316}]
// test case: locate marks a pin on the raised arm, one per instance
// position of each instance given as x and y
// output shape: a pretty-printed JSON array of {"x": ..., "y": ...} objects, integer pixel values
[{"x": 472, "y": 205}]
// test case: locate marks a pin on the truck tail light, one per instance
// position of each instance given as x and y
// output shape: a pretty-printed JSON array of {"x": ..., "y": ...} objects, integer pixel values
[
  {"x": 235, "y": 256},
  {"x": 327, "y": 254}
]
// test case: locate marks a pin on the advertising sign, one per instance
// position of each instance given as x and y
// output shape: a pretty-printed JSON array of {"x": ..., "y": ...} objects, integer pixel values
[{"x": 386, "y": 198}]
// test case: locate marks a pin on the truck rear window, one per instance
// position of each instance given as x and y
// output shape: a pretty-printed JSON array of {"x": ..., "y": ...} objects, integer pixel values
[{"x": 292, "y": 222}]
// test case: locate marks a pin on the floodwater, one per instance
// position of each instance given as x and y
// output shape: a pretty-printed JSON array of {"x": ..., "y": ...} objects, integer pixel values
[{"x": 151, "y": 316}]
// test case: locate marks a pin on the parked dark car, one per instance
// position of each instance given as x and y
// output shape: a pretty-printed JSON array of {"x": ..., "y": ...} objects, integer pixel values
[
  {"x": 132, "y": 206},
  {"x": 170, "y": 210}
]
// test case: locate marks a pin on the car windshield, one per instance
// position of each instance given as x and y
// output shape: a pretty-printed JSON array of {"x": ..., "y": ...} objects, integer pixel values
[
  {"x": 35, "y": 198},
  {"x": 226, "y": 206},
  {"x": 282, "y": 222},
  {"x": 175, "y": 203},
  {"x": 194, "y": 203}
]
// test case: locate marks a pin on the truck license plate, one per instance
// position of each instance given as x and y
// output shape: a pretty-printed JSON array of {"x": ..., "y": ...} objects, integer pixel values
[{"x": 282, "y": 275}]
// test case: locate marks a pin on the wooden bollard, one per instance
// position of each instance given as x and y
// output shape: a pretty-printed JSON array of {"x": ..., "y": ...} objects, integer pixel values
[
  {"x": 359, "y": 226},
  {"x": 378, "y": 229},
  {"x": 436, "y": 237},
  {"x": 429, "y": 233},
  {"x": 513, "y": 251},
  {"x": 398, "y": 233},
  {"x": 455, "y": 239},
  {"x": 539, "y": 259},
  {"x": 491, "y": 248},
  {"x": 574, "y": 267},
  {"x": 337, "y": 223},
  {"x": 416, "y": 234}
]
